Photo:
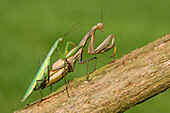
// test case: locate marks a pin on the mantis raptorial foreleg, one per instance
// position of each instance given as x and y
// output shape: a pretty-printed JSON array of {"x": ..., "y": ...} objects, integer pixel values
[
  {"x": 103, "y": 47},
  {"x": 63, "y": 56}
]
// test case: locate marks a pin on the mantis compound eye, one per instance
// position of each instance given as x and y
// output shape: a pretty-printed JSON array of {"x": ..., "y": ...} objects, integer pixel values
[{"x": 60, "y": 39}]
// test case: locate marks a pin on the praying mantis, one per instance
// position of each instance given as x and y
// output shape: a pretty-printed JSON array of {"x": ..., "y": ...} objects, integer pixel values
[
  {"x": 67, "y": 62},
  {"x": 60, "y": 68},
  {"x": 45, "y": 67}
]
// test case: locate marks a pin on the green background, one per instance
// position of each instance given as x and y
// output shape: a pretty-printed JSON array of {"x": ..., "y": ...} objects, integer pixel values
[{"x": 28, "y": 29}]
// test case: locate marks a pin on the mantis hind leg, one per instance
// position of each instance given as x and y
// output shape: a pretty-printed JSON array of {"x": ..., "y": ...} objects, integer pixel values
[
  {"x": 50, "y": 89},
  {"x": 41, "y": 85},
  {"x": 39, "y": 89},
  {"x": 66, "y": 86},
  {"x": 41, "y": 94}
]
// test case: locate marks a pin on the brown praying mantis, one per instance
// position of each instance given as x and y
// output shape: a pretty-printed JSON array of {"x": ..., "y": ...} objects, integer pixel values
[{"x": 66, "y": 64}]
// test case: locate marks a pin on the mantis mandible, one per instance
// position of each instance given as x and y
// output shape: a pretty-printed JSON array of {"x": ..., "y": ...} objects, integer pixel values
[{"x": 46, "y": 67}]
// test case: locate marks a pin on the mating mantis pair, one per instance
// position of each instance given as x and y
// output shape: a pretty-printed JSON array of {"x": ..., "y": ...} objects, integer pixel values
[{"x": 67, "y": 61}]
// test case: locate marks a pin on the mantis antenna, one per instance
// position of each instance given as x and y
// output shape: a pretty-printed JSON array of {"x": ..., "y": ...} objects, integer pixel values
[
  {"x": 102, "y": 16},
  {"x": 72, "y": 28}
]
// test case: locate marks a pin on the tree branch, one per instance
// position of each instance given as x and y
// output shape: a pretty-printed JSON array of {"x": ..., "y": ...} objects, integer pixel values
[{"x": 116, "y": 87}]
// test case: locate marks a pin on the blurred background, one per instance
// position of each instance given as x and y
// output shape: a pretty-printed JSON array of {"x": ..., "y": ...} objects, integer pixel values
[{"x": 29, "y": 28}]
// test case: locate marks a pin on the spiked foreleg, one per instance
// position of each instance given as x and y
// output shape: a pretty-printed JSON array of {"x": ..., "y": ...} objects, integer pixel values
[{"x": 103, "y": 47}]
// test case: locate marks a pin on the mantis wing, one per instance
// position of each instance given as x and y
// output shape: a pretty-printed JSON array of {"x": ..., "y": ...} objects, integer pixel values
[{"x": 38, "y": 76}]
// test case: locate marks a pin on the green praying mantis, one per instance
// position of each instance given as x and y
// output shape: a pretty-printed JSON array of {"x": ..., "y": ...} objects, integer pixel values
[
  {"x": 67, "y": 60},
  {"x": 45, "y": 67}
]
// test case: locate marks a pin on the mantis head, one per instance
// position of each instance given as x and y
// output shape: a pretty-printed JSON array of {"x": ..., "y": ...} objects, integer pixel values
[
  {"x": 100, "y": 26},
  {"x": 61, "y": 40}
]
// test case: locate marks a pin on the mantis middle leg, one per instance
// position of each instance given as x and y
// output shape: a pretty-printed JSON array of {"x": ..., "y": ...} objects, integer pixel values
[{"x": 86, "y": 61}]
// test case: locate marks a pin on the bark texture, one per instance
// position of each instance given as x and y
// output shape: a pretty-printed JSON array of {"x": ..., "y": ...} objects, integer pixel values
[{"x": 116, "y": 87}]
